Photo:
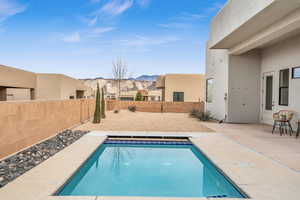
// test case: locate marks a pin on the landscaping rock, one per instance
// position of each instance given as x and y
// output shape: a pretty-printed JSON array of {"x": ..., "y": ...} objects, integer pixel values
[{"x": 18, "y": 164}]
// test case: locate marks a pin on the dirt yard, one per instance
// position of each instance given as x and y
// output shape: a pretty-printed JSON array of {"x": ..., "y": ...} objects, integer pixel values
[{"x": 144, "y": 121}]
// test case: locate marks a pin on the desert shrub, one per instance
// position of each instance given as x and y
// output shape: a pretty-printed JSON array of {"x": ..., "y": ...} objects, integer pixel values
[
  {"x": 202, "y": 116},
  {"x": 116, "y": 111},
  {"x": 132, "y": 108},
  {"x": 193, "y": 113}
]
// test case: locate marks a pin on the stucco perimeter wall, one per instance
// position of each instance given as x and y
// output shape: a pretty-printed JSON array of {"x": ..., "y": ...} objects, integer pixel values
[
  {"x": 152, "y": 106},
  {"x": 26, "y": 123}
]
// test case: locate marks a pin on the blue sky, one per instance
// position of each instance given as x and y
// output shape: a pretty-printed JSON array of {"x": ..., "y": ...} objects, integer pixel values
[{"x": 81, "y": 38}]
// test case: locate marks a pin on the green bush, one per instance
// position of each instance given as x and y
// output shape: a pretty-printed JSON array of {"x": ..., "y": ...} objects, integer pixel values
[
  {"x": 139, "y": 96},
  {"x": 132, "y": 108},
  {"x": 97, "y": 113},
  {"x": 202, "y": 116},
  {"x": 102, "y": 104}
]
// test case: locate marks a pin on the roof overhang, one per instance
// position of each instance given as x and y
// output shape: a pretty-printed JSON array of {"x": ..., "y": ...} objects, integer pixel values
[{"x": 257, "y": 24}]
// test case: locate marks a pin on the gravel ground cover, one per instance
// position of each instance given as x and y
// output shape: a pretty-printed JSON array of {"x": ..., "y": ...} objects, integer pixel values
[{"x": 17, "y": 164}]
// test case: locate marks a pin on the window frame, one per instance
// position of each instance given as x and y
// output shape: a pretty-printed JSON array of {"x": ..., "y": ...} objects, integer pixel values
[
  {"x": 177, "y": 96},
  {"x": 293, "y": 72},
  {"x": 206, "y": 95},
  {"x": 284, "y": 87}
]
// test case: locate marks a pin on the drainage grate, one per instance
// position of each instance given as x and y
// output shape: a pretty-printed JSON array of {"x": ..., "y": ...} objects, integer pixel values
[{"x": 149, "y": 142}]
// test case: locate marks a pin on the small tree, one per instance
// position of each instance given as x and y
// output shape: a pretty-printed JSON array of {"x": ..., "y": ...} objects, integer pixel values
[
  {"x": 119, "y": 72},
  {"x": 102, "y": 104},
  {"x": 97, "y": 114},
  {"x": 139, "y": 96}
]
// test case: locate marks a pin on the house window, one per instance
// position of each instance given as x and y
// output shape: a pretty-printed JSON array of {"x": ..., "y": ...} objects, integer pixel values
[
  {"x": 178, "y": 96},
  {"x": 296, "y": 72},
  {"x": 209, "y": 90},
  {"x": 284, "y": 77}
]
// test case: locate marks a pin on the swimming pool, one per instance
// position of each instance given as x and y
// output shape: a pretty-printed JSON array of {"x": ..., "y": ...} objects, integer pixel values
[{"x": 149, "y": 169}]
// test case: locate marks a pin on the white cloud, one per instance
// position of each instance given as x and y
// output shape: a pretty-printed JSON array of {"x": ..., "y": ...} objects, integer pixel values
[
  {"x": 142, "y": 41},
  {"x": 175, "y": 25},
  {"x": 78, "y": 36},
  {"x": 72, "y": 38},
  {"x": 95, "y": 1},
  {"x": 93, "y": 21},
  {"x": 9, "y": 8},
  {"x": 116, "y": 7},
  {"x": 103, "y": 30},
  {"x": 215, "y": 6},
  {"x": 143, "y": 3},
  {"x": 190, "y": 16}
]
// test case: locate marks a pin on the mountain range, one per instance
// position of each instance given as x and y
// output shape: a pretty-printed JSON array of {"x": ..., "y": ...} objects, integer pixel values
[
  {"x": 139, "y": 78},
  {"x": 147, "y": 78}
]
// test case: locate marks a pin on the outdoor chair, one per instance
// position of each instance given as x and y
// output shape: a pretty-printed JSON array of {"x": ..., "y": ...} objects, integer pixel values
[
  {"x": 298, "y": 131},
  {"x": 282, "y": 119}
]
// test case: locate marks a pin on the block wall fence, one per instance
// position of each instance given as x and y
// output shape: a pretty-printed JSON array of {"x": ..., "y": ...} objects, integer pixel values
[
  {"x": 23, "y": 124},
  {"x": 155, "y": 106}
]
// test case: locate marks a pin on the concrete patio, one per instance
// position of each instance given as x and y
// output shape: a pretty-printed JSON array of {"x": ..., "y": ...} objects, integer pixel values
[
  {"x": 259, "y": 138},
  {"x": 257, "y": 175},
  {"x": 263, "y": 165}
]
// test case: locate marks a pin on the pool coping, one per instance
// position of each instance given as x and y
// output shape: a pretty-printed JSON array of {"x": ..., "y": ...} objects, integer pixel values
[{"x": 38, "y": 185}]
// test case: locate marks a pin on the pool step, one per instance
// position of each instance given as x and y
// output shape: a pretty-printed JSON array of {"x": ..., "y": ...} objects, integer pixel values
[{"x": 147, "y": 142}]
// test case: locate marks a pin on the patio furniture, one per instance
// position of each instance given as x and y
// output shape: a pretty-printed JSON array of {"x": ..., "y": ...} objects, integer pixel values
[
  {"x": 282, "y": 119},
  {"x": 298, "y": 131}
]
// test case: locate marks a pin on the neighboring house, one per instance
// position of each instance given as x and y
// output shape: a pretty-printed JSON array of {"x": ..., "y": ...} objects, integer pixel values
[
  {"x": 181, "y": 87},
  {"x": 16, "y": 84},
  {"x": 129, "y": 88},
  {"x": 148, "y": 95},
  {"x": 253, "y": 59}
]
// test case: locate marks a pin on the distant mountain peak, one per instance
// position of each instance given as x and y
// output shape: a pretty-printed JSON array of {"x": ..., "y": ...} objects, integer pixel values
[{"x": 147, "y": 78}]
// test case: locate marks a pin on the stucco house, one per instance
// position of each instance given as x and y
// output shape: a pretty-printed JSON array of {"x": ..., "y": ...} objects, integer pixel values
[
  {"x": 253, "y": 60},
  {"x": 181, "y": 87},
  {"x": 17, "y": 84}
]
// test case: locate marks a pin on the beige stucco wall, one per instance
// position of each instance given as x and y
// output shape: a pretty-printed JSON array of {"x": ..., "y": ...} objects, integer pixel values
[
  {"x": 217, "y": 69},
  {"x": 12, "y": 77},
  {"x": 160, "y": 82},
  {"x": 234, "y": 14},
  {"x": 17, "y": 94},
  {"x": 254, "y": 43},
  {"x": 48, "y": 86},
  {"x": 58, "y": 86},
  {"x": 191, "y": 84},
  {"x": 241, "y": 19},
  {"x": 26, "y": 123},
  {"x": 44, "y": 86},
  {"x": 280, "y": 56},
  {"x": 244, "y": 88}
]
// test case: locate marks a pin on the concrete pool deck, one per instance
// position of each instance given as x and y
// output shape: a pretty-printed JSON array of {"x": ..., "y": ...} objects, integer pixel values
[{"x": 257, "y": 175}]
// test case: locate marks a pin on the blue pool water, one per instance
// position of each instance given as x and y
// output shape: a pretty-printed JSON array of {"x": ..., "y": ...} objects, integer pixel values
[{"x": 149, "y": 170}]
